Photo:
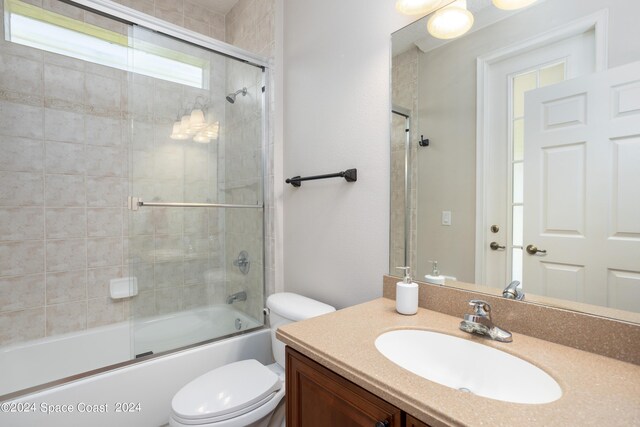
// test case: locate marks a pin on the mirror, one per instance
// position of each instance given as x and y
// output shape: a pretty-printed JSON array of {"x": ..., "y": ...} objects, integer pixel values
[{"x": 515, "y": 153}]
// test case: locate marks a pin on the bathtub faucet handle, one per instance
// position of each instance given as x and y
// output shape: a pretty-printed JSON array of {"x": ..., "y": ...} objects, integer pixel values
[{"x": 242, "y": 262}]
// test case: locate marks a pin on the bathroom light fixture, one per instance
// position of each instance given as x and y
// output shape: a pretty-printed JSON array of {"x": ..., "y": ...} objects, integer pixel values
[
  {"x": 197, "y": 122},
  {"x": 201, "y": 137},
  {"x": 177, "y": 133},
  {"x": 417, "y": 7},
  {"x": 451, "y": 21},
  {"x": 212, "y": 131},
  {"x": 185, "y": 125},
  {"x": 512, "y": 4}
]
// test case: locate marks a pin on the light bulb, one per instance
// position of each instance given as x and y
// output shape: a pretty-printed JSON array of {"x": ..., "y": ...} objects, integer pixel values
[
  {"x": 185, "y": 125},
  {"x": 177, "y": 132},
  {"x": 451, "y": 21},
  {"x": 212, "y": 130},
  {"x": 201, "y": 138},
  {"x": 196, "y": 120},
  {"x": 417, "y": 7},
  {"x": 512, "y": 4}
]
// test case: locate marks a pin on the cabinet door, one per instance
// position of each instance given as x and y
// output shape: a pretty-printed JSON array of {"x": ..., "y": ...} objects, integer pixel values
[
  {"x": 319, "y": 397},
  {"x": 412, "y": 422}
]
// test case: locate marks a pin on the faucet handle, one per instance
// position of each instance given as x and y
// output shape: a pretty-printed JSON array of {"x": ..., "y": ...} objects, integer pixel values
[{"x": 480, "y": 307}]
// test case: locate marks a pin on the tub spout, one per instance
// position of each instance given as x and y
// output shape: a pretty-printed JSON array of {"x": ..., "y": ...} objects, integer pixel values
[{"x": 238, "y": 296}]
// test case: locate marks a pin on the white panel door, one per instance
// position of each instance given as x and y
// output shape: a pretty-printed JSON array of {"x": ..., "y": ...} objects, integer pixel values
[
  {"x": 576, "y": 55},
  {"x": 582, "y": 189}
]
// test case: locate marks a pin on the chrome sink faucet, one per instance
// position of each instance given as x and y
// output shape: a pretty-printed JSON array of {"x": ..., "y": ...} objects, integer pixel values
[
  {"x": 513, "y": 291},
  {"x": 480, "y": 322}
]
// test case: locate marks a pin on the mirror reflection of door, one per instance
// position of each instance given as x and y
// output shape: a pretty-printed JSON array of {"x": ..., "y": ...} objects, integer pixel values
[
  {"x": 507, "y": 80},
  {"x": 582, "y": 189}
]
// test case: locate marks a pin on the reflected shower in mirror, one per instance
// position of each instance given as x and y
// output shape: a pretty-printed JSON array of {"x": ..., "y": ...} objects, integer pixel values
[{"x": 531, "y": 173}]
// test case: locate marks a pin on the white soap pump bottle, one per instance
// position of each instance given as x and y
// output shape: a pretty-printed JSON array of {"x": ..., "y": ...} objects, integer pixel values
[
  {"x": 435, "y": 277},
  {"x": 406, "y": 294}
]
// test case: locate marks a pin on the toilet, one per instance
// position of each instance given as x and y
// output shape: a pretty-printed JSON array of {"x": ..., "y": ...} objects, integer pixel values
[{"x": 245, "y": 393}]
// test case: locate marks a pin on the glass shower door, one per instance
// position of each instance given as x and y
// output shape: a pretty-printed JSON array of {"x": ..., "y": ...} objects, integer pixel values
[
  {"x": 196, "y": 194},
  {"x": 400, "y": 229}
]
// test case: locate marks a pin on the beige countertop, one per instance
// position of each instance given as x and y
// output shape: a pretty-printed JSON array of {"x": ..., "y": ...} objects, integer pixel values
[{"x": 597, "y": 391}]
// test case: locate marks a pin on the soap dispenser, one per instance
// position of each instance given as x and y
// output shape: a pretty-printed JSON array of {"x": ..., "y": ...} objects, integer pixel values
[
  {"x": 406, "y": 294},
  {"x": 434, "y": 278}
]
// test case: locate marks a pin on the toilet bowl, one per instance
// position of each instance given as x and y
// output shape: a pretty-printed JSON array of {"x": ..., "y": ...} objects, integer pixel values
[{"x": 245, "y": 393}]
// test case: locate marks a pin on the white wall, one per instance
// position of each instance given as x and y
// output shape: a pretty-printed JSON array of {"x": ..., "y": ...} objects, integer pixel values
[
  {"x": 447, "y": 114},
  {"x": 336, "y": 117}
]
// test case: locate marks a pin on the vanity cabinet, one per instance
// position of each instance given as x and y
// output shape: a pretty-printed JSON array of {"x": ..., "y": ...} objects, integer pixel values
[
  {"x": 412, "y": 422},
  {"x": 317, "y": 396}
]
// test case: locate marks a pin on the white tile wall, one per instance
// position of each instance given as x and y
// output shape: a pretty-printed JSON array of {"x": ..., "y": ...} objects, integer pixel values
[
  {"x": 22, "y": 292},
  {"x": 21, "y": 258},
  {"x": 67, "y": 317},
  {"x": 21, "y": 154},
  {"x": 21, "y": 120},
  {"x": 66, "y": 286},
  {"x": 62, "y": 223},
  {"x": 21, "y": 223},
  {"x": 249, "y": 25}
]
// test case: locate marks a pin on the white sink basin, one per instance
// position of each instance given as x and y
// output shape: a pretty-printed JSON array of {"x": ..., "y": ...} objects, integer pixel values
[{"x": 468, "y": 366}]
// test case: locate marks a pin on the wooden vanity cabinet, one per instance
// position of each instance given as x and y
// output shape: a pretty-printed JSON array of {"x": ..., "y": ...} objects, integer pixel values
[
  {"x": 317, "y": 396},
  {"x": 412, "y": 422}
]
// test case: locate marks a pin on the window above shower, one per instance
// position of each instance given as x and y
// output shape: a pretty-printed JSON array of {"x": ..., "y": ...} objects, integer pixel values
[{"x": 39, "y": 28}]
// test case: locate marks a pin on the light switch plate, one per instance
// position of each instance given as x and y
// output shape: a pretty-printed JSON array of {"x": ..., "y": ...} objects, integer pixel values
[{"x": 446, "y": 217}]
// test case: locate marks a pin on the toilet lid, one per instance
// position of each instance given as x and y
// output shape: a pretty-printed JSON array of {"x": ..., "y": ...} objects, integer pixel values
[{"x": 230, "y": 390}]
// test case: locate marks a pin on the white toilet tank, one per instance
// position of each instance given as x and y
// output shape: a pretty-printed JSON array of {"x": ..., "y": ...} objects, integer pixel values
[{"x": 287, "y": 307}]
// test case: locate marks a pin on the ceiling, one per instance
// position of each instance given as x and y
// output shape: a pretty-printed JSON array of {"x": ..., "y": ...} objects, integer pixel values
[{"x": 415, "y": 34}]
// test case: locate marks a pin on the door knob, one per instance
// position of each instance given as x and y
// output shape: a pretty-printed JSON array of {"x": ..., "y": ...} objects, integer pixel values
[
  {"x": 384, "y": 423},
  {"x": 533, "y": 249},
  {"x": 495, "y": 246}
]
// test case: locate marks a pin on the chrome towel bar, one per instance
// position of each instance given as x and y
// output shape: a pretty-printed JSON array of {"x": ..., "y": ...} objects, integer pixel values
[{"x": 134, "y": 203}]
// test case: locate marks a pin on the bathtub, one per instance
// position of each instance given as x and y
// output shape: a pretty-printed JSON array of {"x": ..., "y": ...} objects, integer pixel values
[
  {"x": 52, "y": 358},
  {"x": 146, "y": 387},
  {"x": 164, "y": 333}
]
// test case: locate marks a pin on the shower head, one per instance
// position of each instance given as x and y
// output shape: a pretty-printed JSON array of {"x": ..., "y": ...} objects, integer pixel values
[{"x": 232, "y": 96}]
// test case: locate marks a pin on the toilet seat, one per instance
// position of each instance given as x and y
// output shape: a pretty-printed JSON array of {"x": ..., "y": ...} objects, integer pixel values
[{"x": 242, "y": 389}]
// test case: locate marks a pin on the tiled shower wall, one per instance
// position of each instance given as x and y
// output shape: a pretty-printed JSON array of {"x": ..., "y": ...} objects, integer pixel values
[
  {"x": 250, "y": 25},
  {"x": 63, "y": 174},
  {"x": 404, "y": 80},
  {"x": 193, "y": 15},
  {"x": 63, "y": 226}
]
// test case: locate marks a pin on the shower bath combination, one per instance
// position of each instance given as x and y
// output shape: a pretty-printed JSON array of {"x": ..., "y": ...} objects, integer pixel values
[
  {"x": 177, "y": 251},
  {"x": 232, "y": 96}
]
